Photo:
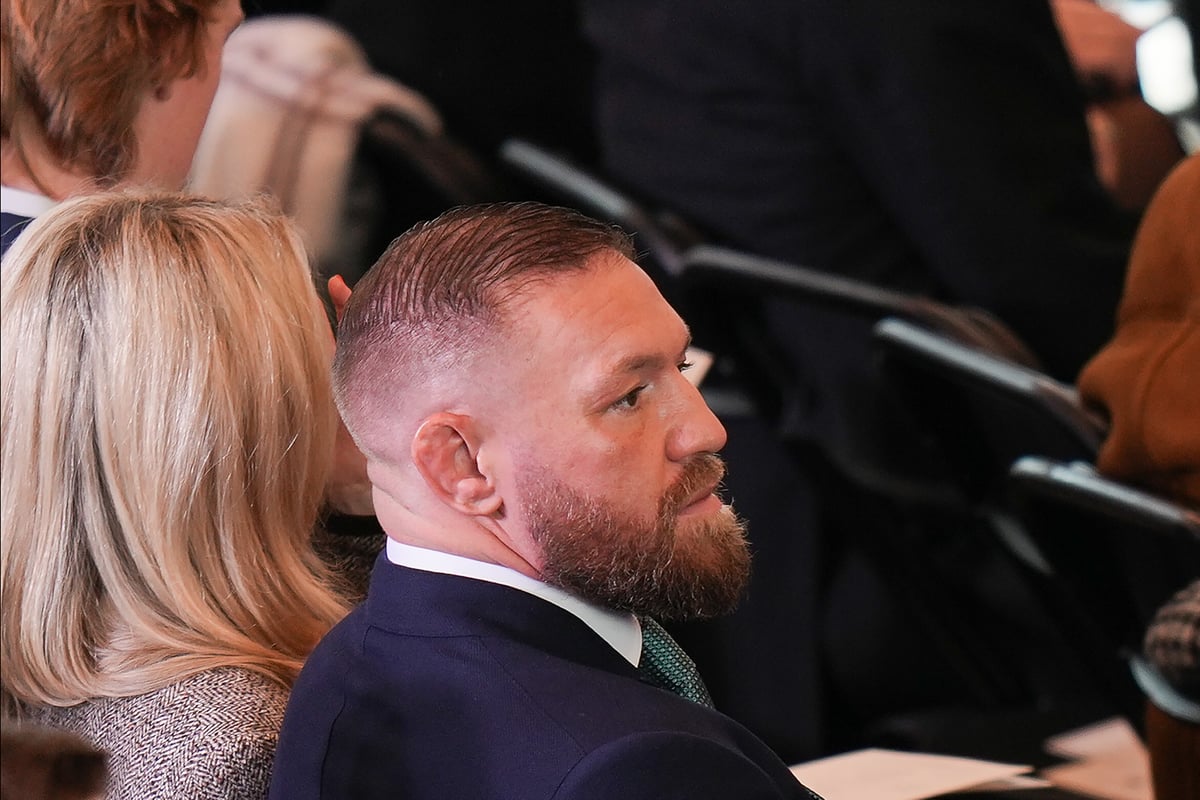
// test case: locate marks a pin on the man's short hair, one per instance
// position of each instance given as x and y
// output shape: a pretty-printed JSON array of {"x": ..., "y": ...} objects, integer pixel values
[
  {"x": 442, "y": 289},
  {"x": 74, "y": 73}
]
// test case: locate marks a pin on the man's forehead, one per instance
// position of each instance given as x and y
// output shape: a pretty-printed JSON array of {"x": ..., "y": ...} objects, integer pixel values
[
  {"x": 610, "y": 315},
  {"x": 609, "y": 289}
]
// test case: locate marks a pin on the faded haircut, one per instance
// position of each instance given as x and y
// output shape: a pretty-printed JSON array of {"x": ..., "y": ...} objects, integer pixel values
[{"x": 441, "y": 291}]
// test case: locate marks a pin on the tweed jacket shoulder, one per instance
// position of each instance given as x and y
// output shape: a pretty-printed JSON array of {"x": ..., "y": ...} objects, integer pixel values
[
  {"x": 209, "y": 737},
  {"x": 1172, "y": 642},
  {"x": 349, "y": 546}
]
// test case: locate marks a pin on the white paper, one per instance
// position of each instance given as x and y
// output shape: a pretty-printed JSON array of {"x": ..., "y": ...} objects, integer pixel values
[
  {"x": 1116, "y": 775},
  {"x": 1096, "y": 739},
  {"x": 1112, "y": 762},
  {"x": 892, "y": 775}
]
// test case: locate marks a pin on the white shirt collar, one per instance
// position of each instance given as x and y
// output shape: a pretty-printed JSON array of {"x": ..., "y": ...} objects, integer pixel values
[
  {"x": 619, "y": 628},
  {"x": 23, "y": 203}
]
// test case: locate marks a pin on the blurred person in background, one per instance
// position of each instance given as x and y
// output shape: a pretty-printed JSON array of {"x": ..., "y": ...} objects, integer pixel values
[{"x": 95, "y": 95}]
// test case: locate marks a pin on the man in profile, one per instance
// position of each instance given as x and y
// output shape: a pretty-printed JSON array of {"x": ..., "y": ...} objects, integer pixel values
[{"x": 546, "y": 476}]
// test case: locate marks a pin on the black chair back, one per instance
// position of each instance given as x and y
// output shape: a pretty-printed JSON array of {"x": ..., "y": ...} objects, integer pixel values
[
  {"x": 981, "y": 410},
  {"x": 732, "y": 270},
  {"x": 1105, "y": 556},
  {"x": 819, "y": 382}
]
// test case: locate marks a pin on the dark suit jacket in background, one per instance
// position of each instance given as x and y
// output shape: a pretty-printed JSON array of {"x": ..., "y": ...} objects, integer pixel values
[
  {"x": 935, "y": 146},
  {"x": 447, "y": 687},
  {"x": 492, "y": 70}
]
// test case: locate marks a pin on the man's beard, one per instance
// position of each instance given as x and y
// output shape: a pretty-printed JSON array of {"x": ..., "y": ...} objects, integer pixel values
[{"x": 647, "y": 566}]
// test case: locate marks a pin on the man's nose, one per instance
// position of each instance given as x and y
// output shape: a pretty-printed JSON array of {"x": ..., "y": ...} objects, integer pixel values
[{"x": 697, "y": 430}]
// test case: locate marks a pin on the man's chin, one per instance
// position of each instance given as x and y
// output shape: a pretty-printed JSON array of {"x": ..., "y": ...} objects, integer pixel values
[
  {"x": 710, "y": 570},
  {"x": 686, "y": 563}
]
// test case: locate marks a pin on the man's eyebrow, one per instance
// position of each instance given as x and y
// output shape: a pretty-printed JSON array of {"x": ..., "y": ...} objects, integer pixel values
[
  {"x": 637, "y": 363},
  {"x": 641, "y": 361}
]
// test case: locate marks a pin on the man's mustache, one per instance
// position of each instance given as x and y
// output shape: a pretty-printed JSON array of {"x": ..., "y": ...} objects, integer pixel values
[{"x": 701, "y": 472}]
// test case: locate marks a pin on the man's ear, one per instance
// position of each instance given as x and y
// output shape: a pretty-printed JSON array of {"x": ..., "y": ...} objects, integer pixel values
[{"x": 444, "y": 450}]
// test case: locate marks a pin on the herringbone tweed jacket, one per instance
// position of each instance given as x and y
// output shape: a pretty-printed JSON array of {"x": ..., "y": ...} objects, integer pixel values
[
  {"x": 1172, "y": 643},
  {"x": 209, "y": 737}
]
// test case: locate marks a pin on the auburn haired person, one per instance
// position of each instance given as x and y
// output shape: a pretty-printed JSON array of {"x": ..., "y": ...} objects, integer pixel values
[{"x": 99, "y": 94}]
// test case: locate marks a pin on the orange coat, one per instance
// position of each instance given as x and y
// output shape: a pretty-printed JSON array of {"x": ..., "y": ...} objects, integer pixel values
[{"x": 1147, "y": 378}]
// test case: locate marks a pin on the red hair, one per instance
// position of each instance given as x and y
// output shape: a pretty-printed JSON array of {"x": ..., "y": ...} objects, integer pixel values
[{"x": 75, "y": 72}]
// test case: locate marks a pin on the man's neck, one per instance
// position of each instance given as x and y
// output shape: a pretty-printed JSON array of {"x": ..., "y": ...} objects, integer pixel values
[{"x": 476, "y": 539}]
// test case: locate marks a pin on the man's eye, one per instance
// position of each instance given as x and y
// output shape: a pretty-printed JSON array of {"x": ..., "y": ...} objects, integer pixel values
[
  {"x": 684, "y": 366},
  {"x": 630, "y": 400}
]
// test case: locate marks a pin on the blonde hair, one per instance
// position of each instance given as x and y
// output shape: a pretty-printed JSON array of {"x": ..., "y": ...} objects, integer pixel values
[{"x": 167, "y": 427}]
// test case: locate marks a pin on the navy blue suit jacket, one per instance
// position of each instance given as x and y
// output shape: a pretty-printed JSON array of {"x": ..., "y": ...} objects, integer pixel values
[{"x": 446, "y": 687}]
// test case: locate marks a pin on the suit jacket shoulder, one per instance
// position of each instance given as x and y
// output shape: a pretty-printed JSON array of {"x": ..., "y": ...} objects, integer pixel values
[
  {"x": 440, "y": 686},
  {"x": 672, "y": 765}
]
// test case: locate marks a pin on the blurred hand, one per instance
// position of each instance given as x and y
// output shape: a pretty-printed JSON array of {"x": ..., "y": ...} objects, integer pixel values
[
  {"x": 339, "y": 294},
  {"x": 1101, "y": 46},
  {"x": 349, "y": 489}
]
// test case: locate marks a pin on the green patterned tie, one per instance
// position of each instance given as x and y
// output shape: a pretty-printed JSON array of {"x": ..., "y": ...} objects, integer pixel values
[{"x": 665, "y": 665}]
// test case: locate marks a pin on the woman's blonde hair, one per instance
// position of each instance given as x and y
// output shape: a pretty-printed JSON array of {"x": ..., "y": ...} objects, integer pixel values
[{"x": 167, "y": 427}]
